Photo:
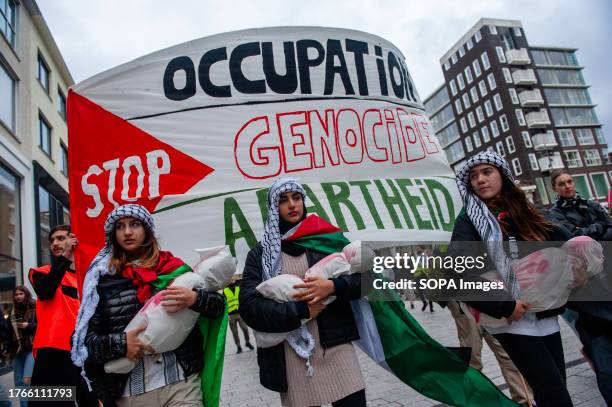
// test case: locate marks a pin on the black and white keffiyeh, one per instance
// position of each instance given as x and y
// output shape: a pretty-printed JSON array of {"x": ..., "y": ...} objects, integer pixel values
[
  {"x": 98, "y": 268},
  {"x": 484, "y": 221}
]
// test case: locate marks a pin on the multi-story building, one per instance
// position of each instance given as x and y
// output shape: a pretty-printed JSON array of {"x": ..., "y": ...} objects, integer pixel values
[
  {"x": 528, "y": 103},
  {"x": 34, "y": 80}
]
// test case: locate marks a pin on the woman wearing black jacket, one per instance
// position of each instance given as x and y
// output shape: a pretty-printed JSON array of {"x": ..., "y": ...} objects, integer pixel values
[
  {"x": 498, "y": 213},
  {"x": 327, "y": 372}
]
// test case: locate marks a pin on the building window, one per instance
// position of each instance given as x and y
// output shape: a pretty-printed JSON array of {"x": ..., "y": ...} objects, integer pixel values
[
  {"x": 472, "y": 120},
  {"x": 591, "y": 158},
  {"x": 453, "y": 87},
  {"x": 500, "y": 54},
  {"x": 453, "y": 59},
  {"x": 10, "y": 224},
  {"x": 517, "y": 32},
  {"x": 7, "y": 97},
  {"x": 527, "y": 139},
  {"x": 64, "y": 159},
  {"x": 61, "y": 103},
  {"x": 469, "y": 44},
  {"x": 573, "y": 116},
  {"x": 458, "y": 107},
  {"x": 474, "y": 94},
  {"x": 507, "y": 75},
  {"x": 582, "y": 186},
  {"x": 566, "y": 137},
  {"x": 504, "y": 122},
  {"x": 8, "y": 16},
  {"x": 513, "y": 96},
  {"x": 479, "y": 114},
  {"x": 448, "y": 135},
  {"x": 516, "y": 166},
  {"x": 43, "y": 73},
  {"x": 542, "y": 190},
  {"x": 510, "y": 144},
  {"x": 493, "y": 29},
  {"x": 477, "y": 70},
  {"x": 599, "y": 135},
  {"x": 466, "y": 100},
  {"x": 461, "y": 51},
  {"x": 477, "y": 141},
  {"x": 51, "y": 212},
  {"x": 460, "y": 81},
  {"x": 464, "y": 127},
  {"x": 485, "y": 134},
  {"x": 519, "y": 117},
  {"x": 555, "y": 58},
  {"x": 567, "y": 96},
  {"x": 498, "y": 102},
  {"x": 533, "y": 161},
  {"x": 605, "y": 156},
  {"x": 468, "y": 144},
  {"x": 585, "y": 137},
  {"x": 468, "y": 74},
  {"x": 488, "y": 108},
  {"x": 600, "y": 183},
  {"x": 477, "y": 36},
  {"x": 560, "y": 77},
  {"x": 455, "y": 152},
  {"x": 447, "y": 65},
  {"x": 484, "y": 57},
  {"x": 483, "y": 88},
  {"x": 500, "y": 148},
  {"x": 494, "y": 128},
  {"x": 572, "y": 158},
  {"x": 491, "y": 79},
  {"x": 44, "y": 132}
]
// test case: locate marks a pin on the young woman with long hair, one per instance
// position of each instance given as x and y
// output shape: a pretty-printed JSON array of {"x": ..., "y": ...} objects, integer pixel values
[
  {"x": 498, "y": 213},
  {"x": 317, "y": 364},
  {"x": 23, "y": 320},
  {"x": 119, "y": 281}
]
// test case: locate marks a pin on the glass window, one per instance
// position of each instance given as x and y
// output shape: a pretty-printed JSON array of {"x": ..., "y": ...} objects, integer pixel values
[
  {"x": 442, "y": 117},
  {"x": 567, "y": 96},
  {"x": 488, "y": 108},
  {"x": 526, "y": 139},
  {"x": 468, "y": 74},
  {"x": 64, "y": 159},
  {"x": 449, "y": 134},
  {"x": 566, "y": 137},
  {"x": 484, "y": 57},
  {"x": 605, "y": 156},
  {"x": 504, "y": 122},
  {"x": 573, "y": 116},
  {"x": 500, "y": 148},
  {"x": 43, "y": 73},
  {"x": 572, "y": 158},
  {"x": 498, "y": 102},
  {"x": 533, "y": 161},
  {"x": 507, "y": 75},
  {"x": 474, "y": 94},
  {"x": 479, "y": 114},
  {"x": 461, "y": 51},
  {"x": 519, "y": 117},
  {"x": 554, "y": 57},
  {"x": 516, "y": 166},
  {"x": 469, "y": 44},
  {"x": 485, "y": 134},
  {"x": 477, "y": 36},
  {"x": 517, "y": 31},
  {"x": 601, "y": 184},
  {"x": 61, "y": 103},
  {"x": 513, "y": 96},
  {"x": 460, "y": 81},
  {"x": 472, "y": 120},
  {"x": 455, "y": 152},
  {"x": 7, "y": 98},
  {"x": 477, "y": 141},
  {"x": 453, "y": 59},
  {"x": 453, "y": 87},
  {"x": 458, "y": 107},
  {"x": 500, "y": 54},
  {"x": 464, "y": 127},
  {"x": 468, "y": 144},
  {"x": 44, "y": 131},
  {"x": 560, "y": 77},
  {"x": 447, "y": 65},
  {"x": 493, "y": 29},
  {"x": 483, "y": 88},
  {"x": 599, "y": 135},
  {"x": 494, "y": 128},
  {"x": 510, "y": 144},
  {"x": 585, "y": 137},
  {"x": 10, "y": 224},
  {"x": 491, "y": 79},
  {"x": 51, "y": 213},
  {"x": 540, "y": 185},
  {"x": 476, "y": 65},
  {"x": 8, "y": 15},
  {"x": 591, "y": 157},
  {"x": 466, "y": 100},
  {"x": 582, "y": 186}
]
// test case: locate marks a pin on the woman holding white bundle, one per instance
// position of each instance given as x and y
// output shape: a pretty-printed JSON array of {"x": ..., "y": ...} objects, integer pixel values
[
  {"x": 498, "y": 213},
  {"x": 127, "y": 272},
  {"x": 317, "y": 364}
]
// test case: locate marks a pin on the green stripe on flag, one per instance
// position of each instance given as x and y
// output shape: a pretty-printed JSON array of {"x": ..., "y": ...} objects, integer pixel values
[{"x": 327, "y": 243}]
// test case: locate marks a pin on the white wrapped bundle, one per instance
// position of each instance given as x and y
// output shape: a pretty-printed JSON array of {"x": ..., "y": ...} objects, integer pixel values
[{"x": 167, "y": 331}]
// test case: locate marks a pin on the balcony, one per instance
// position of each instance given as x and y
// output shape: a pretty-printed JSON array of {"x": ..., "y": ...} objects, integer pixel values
[
  {"x": 543, "y": 141},
  {"x": 531, "y": 98},
  {"x": 524, "y": 77},
  {"x": 537, "y": 119},
  {"x": 552, "y": 162},
  {"x": 518, "y": 56}
]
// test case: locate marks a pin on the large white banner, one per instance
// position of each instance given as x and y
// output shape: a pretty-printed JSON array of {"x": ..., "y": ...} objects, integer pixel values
[{"x": 197, "y": 132}]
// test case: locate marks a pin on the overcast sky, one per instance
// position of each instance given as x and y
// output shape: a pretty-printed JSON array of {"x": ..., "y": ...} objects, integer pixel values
[{"x": 94, "y": 36}]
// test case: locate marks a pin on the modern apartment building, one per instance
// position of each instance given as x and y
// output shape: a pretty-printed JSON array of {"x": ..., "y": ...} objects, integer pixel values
[
  {"x": 34, "y": 80},
  {"x": 528, "y": 103}
]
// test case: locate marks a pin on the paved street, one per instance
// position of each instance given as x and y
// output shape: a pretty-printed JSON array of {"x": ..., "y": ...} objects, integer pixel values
[{"x": 241, "y": 386}]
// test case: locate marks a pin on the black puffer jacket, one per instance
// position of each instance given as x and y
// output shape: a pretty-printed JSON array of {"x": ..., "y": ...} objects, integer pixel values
[
  {"x": 582, "y": 218},
  {"x": 336, "y": 323},
  {"x": 106, "y": 340}
]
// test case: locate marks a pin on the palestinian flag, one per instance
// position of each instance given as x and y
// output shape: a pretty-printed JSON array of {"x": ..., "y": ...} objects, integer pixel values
[{"x": 396, "y": 341}]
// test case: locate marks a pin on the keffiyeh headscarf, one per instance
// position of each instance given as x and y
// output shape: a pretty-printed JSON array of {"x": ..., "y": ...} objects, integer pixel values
[
  {"x": 484, "y": 221},
  {"x": 98, "y": 268}
]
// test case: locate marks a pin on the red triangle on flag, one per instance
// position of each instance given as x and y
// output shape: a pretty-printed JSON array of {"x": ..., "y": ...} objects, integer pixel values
[{"x": 313, "y": 225}]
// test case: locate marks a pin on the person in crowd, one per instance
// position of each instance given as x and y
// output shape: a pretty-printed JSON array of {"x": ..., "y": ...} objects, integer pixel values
[
  {"x": 121, "y": 278},
  {"x": 326, "y": 369},
  {"x": 581, "y": 217},
  {"x": 57, "y": 306},
  {"x": 231, "y": 293},
  {"x": 594, "y": 318},
  {"x": 23, "y": 321},
  {"x": 493, "y": 209}
]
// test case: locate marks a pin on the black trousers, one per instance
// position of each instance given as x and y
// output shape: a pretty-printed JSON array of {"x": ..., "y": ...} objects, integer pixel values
[
  {"x": 357, "y": 399},
  {"x": 53, "y": 367},
  {"x": 540, "y": 359}
]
